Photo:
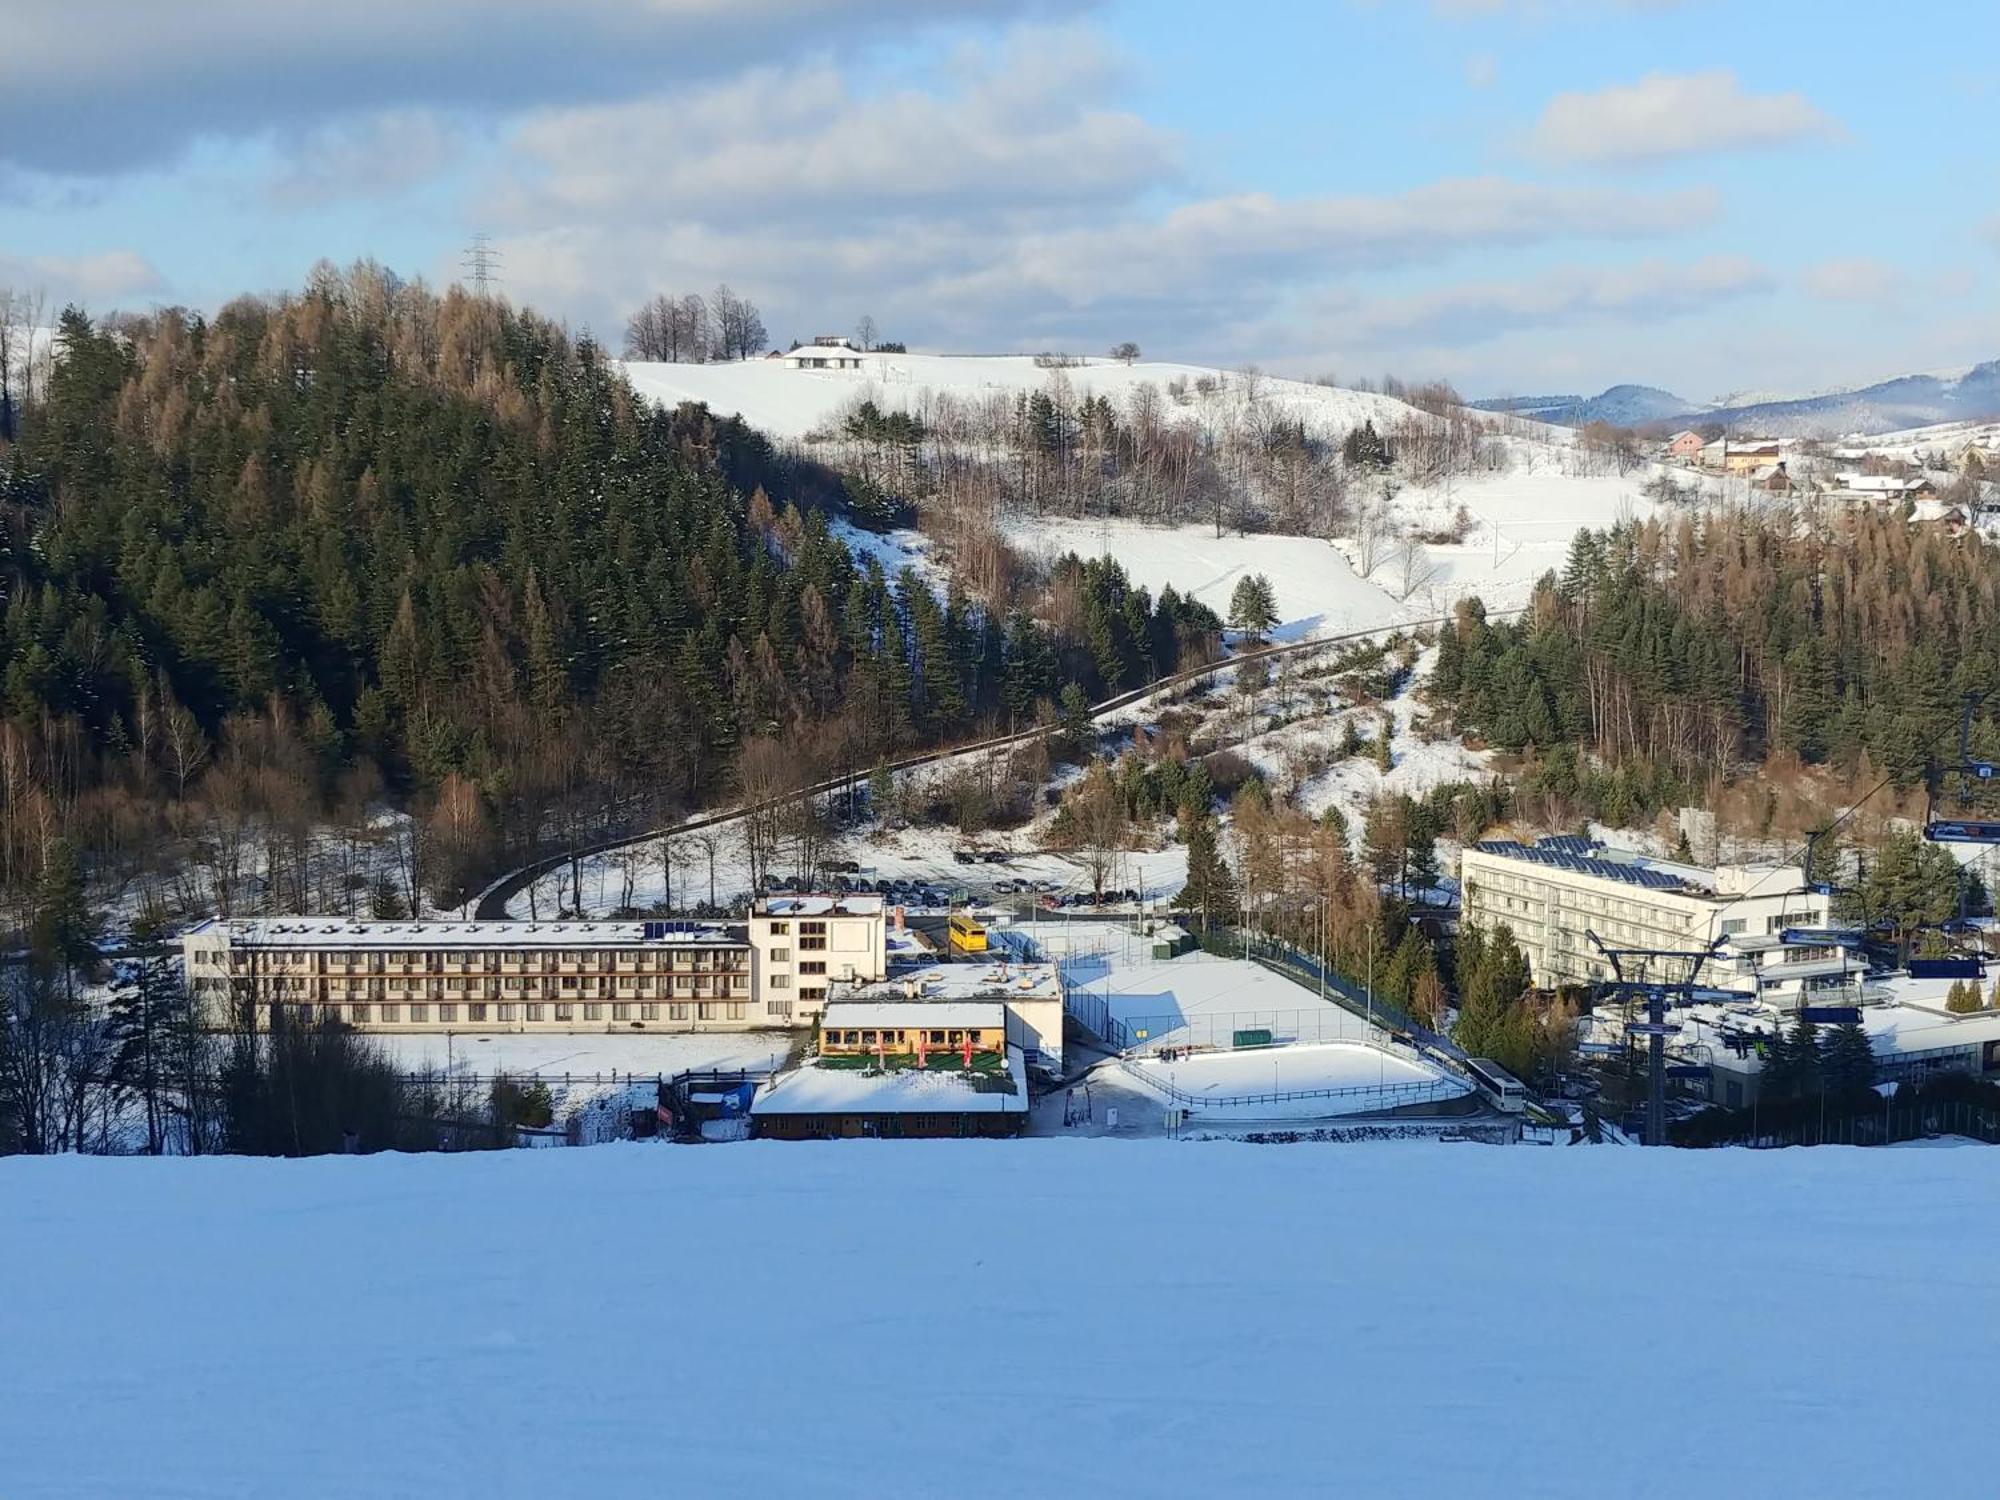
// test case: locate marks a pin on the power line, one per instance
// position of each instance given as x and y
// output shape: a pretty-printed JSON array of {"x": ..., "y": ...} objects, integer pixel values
[{"x": 481, "y": 263}]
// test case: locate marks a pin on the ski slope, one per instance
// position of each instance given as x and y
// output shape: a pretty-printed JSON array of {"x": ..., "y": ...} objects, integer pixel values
[{"x": 869, "y": 1319}]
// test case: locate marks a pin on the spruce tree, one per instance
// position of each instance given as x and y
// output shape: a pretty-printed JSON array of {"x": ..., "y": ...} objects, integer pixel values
[
  {"x": 1253, "y": 607},
  {"x": 1210, "y": 892},
  {"x": 1849, "y": 1067}
]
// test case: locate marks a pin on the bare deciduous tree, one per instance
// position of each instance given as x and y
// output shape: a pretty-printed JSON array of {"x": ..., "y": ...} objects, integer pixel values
[{"x": 739, "y": 327}]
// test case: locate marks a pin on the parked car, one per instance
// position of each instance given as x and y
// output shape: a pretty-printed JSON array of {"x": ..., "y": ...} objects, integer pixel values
[
  {"x": 964, "y": 856},
  {"x": 994, "y": 856}
]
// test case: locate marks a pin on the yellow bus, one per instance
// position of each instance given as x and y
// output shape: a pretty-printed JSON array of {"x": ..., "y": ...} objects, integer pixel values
[{"x": 967, "y": 936}]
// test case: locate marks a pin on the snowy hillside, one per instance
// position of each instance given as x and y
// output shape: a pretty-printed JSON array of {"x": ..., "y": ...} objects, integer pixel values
[
  {"x": 788, "y": 403},
  {"x": 872, "y": 1318},
  {"x": 1971, "y": 394}
]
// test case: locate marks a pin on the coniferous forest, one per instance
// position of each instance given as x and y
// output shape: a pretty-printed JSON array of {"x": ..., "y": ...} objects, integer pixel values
[
  {"x": 1665, "y": 656},
  {"x": 367, "y": 546}
]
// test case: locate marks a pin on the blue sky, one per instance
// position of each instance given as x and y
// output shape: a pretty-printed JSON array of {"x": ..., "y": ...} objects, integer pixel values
[{"x": 1518, "y": 195}]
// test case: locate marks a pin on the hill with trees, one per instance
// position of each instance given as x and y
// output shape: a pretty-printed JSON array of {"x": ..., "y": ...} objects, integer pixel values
[{"x": 264, "y": 573}]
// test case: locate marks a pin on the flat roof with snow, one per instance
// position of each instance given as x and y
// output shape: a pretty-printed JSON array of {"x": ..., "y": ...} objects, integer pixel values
[
  {"x": 940, "y": 982},
  {"x": 332, "y": 932},
  {"x": 819, "y": 906},
  {"x": 914, "y": 1014},
  {"x": 1584, "y": 856},
  {"x": 811, "y": 1089}
]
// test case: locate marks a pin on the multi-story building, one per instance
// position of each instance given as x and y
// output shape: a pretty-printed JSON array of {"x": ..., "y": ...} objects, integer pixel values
[
  {"x": 500, "y": 976},
  {"x": 1553, "y": 894},
  {"x": 805, "y": 943}
]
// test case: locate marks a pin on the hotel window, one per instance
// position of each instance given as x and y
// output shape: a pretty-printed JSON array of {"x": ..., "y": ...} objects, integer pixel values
[
  {"x": 360, "y": 1016},
  {"x": 705, "y": 1013},
  {"x": 391, "y": 1014},
  {"x": 447, "y": 1013},
  {"x": 476, "y": 1011},
  {"x": 937, "y": 1038},
  {"x": 507, "y": 1011},
  {"x": 621, "y": 1012},
  {"x": 739, "y": 1010},
  {"x": 778, "y": 1008},
  {"x": 781, "y": 929},
  {"x": 419, "y": 1014},
  {"x": 593, "y": 1012},
  {"x": 565, "y": 1012},
  {"x": 818, "y": 967},
  {"x": 781, "y": 981},
  {"x": 650, "y": 1011},
  {"x": 813, "y": 994},
  {"x": 677, "y": 1012},
  {"x": 781, "y": 955},
  {"x": 535, "y": 1011}
]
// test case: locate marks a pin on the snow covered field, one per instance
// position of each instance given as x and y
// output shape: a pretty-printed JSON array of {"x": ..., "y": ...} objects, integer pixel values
[
  {"x": 1522, "y": 527},
  {"x": 1388, "y": 1320},
  {"x": 789, "y": 403},
  {"x": 1294, "y": 1083},
  {"x": 1196, "y": 998}
]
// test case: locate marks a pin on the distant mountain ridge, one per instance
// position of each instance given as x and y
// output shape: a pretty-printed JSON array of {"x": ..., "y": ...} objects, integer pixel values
[
  {"x": 1620, "y": 405},
  {"x": 1969, "y": 395}
]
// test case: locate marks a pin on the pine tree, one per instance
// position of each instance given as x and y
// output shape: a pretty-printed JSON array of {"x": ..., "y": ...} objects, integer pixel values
[
  {"x": 1849, "y": 1066},
  {"x": 1253, "y": 607},
  {"x": 1210, "y": 891},
  {"x": 1808, "y": 1067},
  {"x": 1075, "y": 709}
]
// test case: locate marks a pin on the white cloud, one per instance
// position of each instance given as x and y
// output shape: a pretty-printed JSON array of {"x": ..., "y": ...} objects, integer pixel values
[
  {"x": 1644, "y": 292},
  {"x": 90, "y": 279},
  {"x": 1855, "y": 279},
  {"x": 1667, "y": 115},
  {"x": 96, "y": 86},
  {"x": 798, "y": 151}
]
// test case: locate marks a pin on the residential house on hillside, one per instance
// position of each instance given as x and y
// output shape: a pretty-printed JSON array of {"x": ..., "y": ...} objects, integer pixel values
[
  {"x": 1727, "y": 456},
  {"x": 829, "y": 351},
  {"x": 1772, "y": 479},
  {"x": 1882, "y": 489},
  {"x": 1685, "y": 447}
]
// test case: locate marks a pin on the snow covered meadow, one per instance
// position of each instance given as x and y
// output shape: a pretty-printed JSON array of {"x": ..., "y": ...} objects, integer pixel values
[{"x": 961, "y": 1318}]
